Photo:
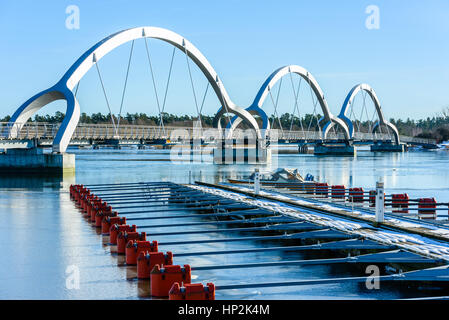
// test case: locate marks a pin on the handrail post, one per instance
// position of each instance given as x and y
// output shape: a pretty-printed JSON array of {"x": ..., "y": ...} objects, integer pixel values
[
  {"x": 380, "y": 202},
  {"x": 256, "y": 181}
]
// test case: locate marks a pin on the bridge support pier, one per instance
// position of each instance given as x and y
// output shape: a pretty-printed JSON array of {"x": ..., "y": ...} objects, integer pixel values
[
  {"x": 388, "y": 147},
  {"x": 322, "y": 149},
  {"x": 229, "y": 152},
  {"x": 35, "y": 161},
  {"x": 305, "y": 149}
]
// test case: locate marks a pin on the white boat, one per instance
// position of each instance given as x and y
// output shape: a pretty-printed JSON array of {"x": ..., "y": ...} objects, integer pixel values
[
  {"x": 444, "y": 145},
  {"x": 281, "y": 175}
]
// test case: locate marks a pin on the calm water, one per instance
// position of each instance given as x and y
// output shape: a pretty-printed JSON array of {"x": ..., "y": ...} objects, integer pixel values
[{"x": 42, "y": 233}]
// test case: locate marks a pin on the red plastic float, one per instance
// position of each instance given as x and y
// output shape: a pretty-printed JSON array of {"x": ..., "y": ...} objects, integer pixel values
[
  {"x": 356, "y": 195},
  {"x": 372, "y": 198},
  {"x": 125, "y": 236},
  {"x": 428, "y": 204},
  {"x": 109, "y": 221},
  {"x": 338, "y": 192},
  {"x": 135, "y": 247},
  {"x": 116, "y": 228},
  {"x": 104, "y": 207},
  {"x": 322, "y": 189},
  {"x": 162, "y": 279},
  {"x": 102, "y": 214},
  {"x": 194, "y": 291},
  {"x": 147, "y": 260},
  {"x": 310, "y": 188},
  {"x": 400, "y": 201}
]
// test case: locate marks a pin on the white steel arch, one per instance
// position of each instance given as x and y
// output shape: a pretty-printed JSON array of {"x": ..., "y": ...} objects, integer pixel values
[
  {"x": 328, "y": 118},
  {"x": 63, "y": 89},
  {"x": 382, "y": 121}
]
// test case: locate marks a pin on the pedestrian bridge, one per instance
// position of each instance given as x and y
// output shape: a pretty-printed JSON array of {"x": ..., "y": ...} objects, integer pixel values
[
  {"x": 43, "y": 134},
  {"x": 324, "y": 126}
]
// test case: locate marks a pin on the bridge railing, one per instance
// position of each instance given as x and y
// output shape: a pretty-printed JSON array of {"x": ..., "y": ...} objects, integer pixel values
[
  {"x": 372, "y": 136},
  {"x": 42, "y": 130},
  {"x": 407, "y": 139},
  {"x": 30, "y": 130},
  {"x": 299, "y": 135}
]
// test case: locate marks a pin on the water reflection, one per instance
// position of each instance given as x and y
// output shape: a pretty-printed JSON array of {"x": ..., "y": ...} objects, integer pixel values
[
  {"x": 50, "y": 234},
  {"x": 37, "y": 181}
]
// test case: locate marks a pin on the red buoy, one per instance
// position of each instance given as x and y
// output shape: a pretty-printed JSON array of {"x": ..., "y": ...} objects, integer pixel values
[
  {"x": 102, "y": 208},
  {"x": 193, "y": 291},
  {"x": 109, "y": 221},
  {"x": 338, "y": 192},
  {"x": 310, "y": 188},
  {"x": 134, "y": 247},
  {"x": 88, "y": 199},
  {"x": 372, "y": 198},
  {"x": 116, "y": 228},
  {"x": 427, "y": 204},
  {"x": 82, "y": 196},
  {"x": 356, "y": 195},
  {"x": 162, "y": 279},
  {"x": 124, "y": 236},
  {"x": 400, "y": 201},
  {"x": 322, "y": 189},
  {"x": 101, "y": 214},
  {"x": 147, "y": 260},
  {"x": 94, "y": 201}
]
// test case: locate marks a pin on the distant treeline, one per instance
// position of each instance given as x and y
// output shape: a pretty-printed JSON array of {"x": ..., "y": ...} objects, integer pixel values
[
  {"x": 436, "y": 127},
  {"x": 136, "y": 118}
]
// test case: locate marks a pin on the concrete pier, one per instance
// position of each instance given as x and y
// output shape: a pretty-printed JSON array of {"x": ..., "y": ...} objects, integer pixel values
[
  {"x": 388, "y": 147},
  {"x": 34, "y": 160},
  {"x": 334, "y": 150},
  {"x": 228, "y": 152},
  {"x": 305, "y": 149}
]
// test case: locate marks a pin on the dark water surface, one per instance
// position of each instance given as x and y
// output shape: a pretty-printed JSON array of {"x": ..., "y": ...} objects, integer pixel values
[{"x": 42, "y": 232}]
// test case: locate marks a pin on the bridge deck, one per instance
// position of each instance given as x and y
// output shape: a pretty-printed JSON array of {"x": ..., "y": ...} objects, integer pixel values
[{"x": 137, "y": 134}]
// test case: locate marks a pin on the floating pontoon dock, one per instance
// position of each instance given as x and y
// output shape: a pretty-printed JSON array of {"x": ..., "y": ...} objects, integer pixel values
[{"x": 329, "y": 233}]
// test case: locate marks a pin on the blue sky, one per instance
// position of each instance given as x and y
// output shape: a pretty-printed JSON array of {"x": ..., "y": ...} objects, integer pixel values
[{"x": 406, "y": 61}]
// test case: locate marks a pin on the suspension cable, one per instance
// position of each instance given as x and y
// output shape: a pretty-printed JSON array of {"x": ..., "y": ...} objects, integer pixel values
[
  {"x": 372, "y": 121},
  {"x": 315, "y": 102},
  {"x": 368, "y": 119},
  {"x": 226, "y": 107},
  {"x": 275, "y": 105},
  {"x": 299, "y": 112},
  {"x": 389, "y": 133},
  {"x": 204, "y": 97},
  {"x": 357, "y": 123},
  {"x": 296, "y": 106},
  {"x": 363, "y": 108},
  {"x": 161, "y": 123},
  {"x": 124, "y": 87},
  {"x": 193, "y": 87},
  {"x": 152, "y": 77},
  {"x": 105, "y": 96}
]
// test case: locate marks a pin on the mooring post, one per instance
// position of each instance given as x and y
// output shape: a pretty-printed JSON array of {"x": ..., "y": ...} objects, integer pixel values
[
  {"x": 380, "y": 202},
  {"x": 190, "y": 177},
  {"x": 256, "y": 181}
]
